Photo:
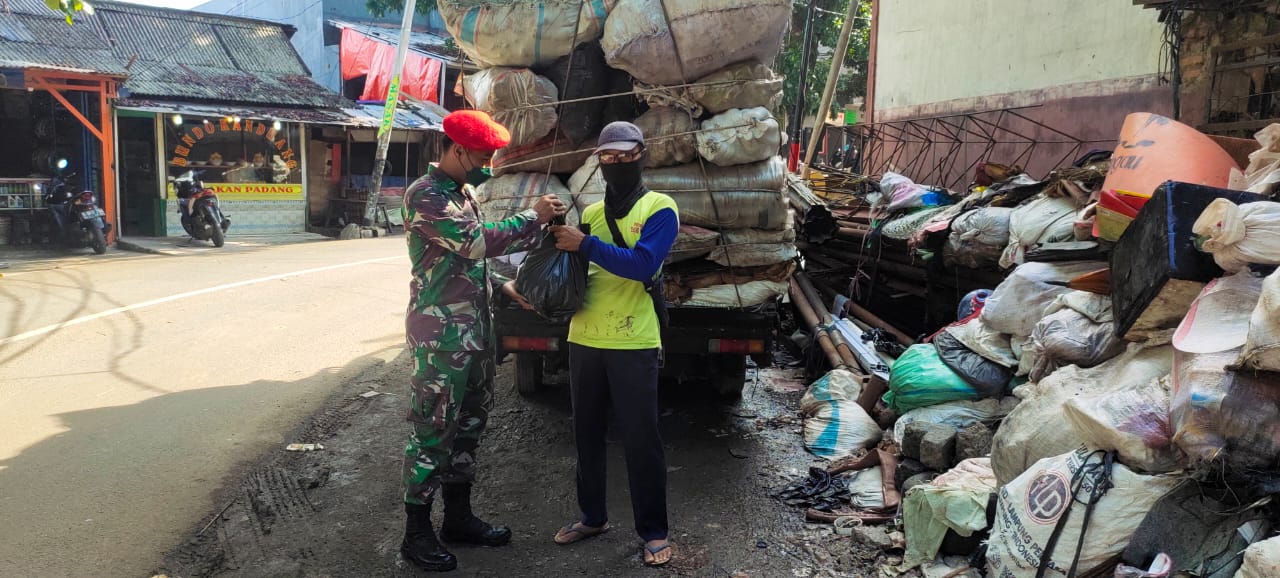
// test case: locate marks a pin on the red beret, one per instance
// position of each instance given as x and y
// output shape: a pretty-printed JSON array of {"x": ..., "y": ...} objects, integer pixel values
[{"x": 476, "y": 130}]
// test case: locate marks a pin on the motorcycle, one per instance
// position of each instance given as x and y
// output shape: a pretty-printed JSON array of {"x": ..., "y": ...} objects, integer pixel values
[
  {"x": 80, "y": 222},
  {"x": 198, "y": 207}
]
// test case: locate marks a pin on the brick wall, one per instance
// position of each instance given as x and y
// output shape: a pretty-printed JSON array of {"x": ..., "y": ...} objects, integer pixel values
[{"x": 1204, "y": 30}]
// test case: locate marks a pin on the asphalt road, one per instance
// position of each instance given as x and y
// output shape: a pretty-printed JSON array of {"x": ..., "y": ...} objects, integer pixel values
[{"x": 132, "y": 389}]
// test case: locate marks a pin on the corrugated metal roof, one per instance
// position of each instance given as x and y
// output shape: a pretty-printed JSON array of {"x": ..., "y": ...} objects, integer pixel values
[
  {"x": 169, "y": 54},
  {"x": 421, "y": 41}
]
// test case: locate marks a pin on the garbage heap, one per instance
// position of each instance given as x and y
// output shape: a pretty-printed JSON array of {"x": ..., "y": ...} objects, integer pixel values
[
  {"x": 1112, "y": 407},
  {"x": 690, "y": 75}
]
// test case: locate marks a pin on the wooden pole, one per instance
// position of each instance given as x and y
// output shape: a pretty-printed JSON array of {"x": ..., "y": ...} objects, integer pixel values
[{"x": 837, "y": 62}]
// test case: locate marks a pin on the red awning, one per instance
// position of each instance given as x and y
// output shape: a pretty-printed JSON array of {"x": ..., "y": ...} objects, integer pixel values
[{"x": 364, "y": 56}]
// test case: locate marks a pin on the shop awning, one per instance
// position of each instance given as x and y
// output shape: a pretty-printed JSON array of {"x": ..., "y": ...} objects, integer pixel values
[{"x": 408, "y": 116}]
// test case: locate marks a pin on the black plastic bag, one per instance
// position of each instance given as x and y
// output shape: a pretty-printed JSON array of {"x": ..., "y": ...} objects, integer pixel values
[
  {"x": 580, "y": 75},
  {"x": 987, "y": 377},
  {"x": 554, "y": 282}
]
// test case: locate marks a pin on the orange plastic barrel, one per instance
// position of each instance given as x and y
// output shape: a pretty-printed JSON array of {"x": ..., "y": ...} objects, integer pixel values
[{"x": 1154, "y": 149}]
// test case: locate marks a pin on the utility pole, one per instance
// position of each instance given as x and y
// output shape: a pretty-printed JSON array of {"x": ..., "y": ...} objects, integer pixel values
[
  {"x": 389, "y": 114},
  {"x": 833, "y": 77},
  {"x": 797, "y": 117}
]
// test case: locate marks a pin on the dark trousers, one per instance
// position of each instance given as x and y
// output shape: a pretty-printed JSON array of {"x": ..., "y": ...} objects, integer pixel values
[{"x": 627, "y": 383}]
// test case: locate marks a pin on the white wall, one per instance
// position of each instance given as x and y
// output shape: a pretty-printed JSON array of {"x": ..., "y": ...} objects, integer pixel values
[{"x": 939, "y": 50}]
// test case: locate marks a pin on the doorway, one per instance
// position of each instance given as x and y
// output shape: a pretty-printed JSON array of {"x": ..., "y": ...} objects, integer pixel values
[{"x": 141, "y": 206}]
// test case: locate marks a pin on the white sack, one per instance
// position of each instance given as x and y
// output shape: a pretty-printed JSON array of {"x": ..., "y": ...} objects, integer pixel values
[
  {"x": 1261, "y": 560},
  {"x": 734, "y": 296},
  {"x": 1030, "y": 506},
  {"x": 1042, "y": 220},
  {"x": 1238, "y": 235},
  {"x": 755, "y": 248},
  {"x": 484, "y": 29},
  {"x": 1131, "y": 420},
  {"x": 1019, "y": 302},
  {"x": 517, "y": 99},
  {"x": 740, "y": 136},
  {"x": 957, "y": 414},
  {"x": 1262, "y": 347},
  {"x": 835, "y": 426},
  {"x": 670, "y": 135},
  {"x": 743, "y": 85},
  {"x": 978, "y": 237},
  {"x": 692, "y": 243}
]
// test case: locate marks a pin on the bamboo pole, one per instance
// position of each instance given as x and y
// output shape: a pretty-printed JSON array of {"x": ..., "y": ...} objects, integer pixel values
[{"x": 837, "y": 62}]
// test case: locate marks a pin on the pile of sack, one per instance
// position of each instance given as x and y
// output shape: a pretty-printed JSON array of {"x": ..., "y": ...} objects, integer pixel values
[{"x": 691, "y": 76}]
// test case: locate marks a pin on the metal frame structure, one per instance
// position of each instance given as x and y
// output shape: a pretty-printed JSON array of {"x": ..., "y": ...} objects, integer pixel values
[{"x": 928, "y": 149}]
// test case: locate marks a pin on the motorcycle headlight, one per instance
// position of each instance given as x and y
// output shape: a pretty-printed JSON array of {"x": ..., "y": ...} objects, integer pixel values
[{"x": 39, "y": 187}]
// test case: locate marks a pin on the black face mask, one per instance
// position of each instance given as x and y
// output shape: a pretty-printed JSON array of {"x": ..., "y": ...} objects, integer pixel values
[{"x": 625, "y": 186}]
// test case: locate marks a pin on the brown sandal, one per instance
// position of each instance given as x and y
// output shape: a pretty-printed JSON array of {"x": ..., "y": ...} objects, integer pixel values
[
  {"x": 651, "y": 554},
  {"x": 577, "y": 532}
]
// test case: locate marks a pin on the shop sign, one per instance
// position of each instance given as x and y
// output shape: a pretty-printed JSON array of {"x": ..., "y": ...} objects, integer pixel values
[
  {"x": 233, "y": 189},
  {"x": 264, "y": 130}
]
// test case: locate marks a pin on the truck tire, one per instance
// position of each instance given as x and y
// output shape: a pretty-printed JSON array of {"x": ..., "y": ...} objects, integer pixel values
[
  {"x": 528, "y": 373},
  {"x": 730, "y": 375}
]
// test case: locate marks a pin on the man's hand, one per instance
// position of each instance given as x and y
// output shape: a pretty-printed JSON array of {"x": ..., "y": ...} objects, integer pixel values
[
  {"x": 549, "y": 207},
  {"x": 509, "y": 288},
  {"x": 568, "y": 238}
]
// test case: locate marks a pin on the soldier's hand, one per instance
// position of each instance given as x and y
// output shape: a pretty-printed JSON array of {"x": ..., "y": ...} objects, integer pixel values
[
  {"x": 568, "y": 238},
  {"x": 509, "y": 288},
  {"x": 549, "y": 207}
]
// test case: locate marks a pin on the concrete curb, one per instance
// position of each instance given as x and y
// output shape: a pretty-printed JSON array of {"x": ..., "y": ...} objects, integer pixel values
[{"x": 124, "y": 245}]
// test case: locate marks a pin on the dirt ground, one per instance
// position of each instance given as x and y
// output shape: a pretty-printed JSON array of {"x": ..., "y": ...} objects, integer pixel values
[{"x": 337, "y": 512}]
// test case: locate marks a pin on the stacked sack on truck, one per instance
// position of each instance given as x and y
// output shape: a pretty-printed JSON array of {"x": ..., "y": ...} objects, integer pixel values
[{"x": 694, "y": 82}]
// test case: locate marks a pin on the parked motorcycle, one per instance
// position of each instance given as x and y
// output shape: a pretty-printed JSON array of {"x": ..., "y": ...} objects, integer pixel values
[
  {"x": 80, "y": 222},
  {"x": 198, "y": 207}
]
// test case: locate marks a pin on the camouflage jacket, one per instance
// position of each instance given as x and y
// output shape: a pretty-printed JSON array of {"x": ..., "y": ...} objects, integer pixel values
[{"x": 448, "y": 244}]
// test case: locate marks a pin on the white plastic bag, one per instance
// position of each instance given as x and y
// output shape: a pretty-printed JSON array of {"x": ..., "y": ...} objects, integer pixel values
[
  {"x": 1238, "y": 235},
  {"x": 1131, "y": 420},
  {"x": 1032, "y": 505},
  {"x": 835, "y": 426},
  {"x": 1019, "y": 302},
  {"x": 740, "y": 136},
  {"x": 518, "y": 99},
  {"x": 899, "y": 192},
  {"x": 1078, "y": 329},
  {"x": 1262, "y": 346},
  {"x": 1038, "y": 427}
]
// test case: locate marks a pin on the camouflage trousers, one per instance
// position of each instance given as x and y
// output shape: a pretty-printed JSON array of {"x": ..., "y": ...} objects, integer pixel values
[{"x": 452, "y": 395}]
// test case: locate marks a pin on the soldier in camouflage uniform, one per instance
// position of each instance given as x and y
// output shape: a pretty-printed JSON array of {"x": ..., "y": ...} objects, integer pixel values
[{"x": 449, "y": 334}]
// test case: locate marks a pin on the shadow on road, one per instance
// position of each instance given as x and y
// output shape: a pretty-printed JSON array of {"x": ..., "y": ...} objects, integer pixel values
[{"x": 109, "y": 494}]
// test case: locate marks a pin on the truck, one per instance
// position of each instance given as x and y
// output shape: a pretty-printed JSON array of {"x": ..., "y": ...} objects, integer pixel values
[{"x": 700, "y": 344}]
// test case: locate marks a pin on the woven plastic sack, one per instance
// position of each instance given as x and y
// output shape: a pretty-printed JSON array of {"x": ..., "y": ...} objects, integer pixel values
[
  {"x": 978, "y": 237},
  {"x": 692, "y": 243},
  {"x": 1262, "y": 346},
  {"x": 1020, "y": 301},
  {"x": 1237, "y": 235},
  {"x": 554, "y": 154},
  {"x": 905, "y": 227},
  {"x": 1132, "y": 420},
  {"x": 554, "y": 282},
  {"x": 743, "y": 85},
  {"x": 1038, "y": 427},
  {"x": 1078, "y": 329},
  {"x": 710, "y": 35},
  {"x": 957, "y": 414},
  {"x": 755, "y": 248},
  {"x": 748, "y": 294},
  {"x": 835, "y": 426},
  {"x": 484, "y": 29},
  {"x": 504, "y": 196},
  {"x": 919, "y": 379},
  {"x": 517, "y": 99},
  {"x": 741, "y": 197},
  {"x": 670, "y": 135},
  {"x": 1042, "y": 220},
  {"x": 1031, "y": 506},
  {"x": 739, "y": 137}
]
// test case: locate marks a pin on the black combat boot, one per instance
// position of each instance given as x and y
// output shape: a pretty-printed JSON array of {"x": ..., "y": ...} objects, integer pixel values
[
  {"x": 463, "y": 527},
  {"x": 420, "y": 546}
]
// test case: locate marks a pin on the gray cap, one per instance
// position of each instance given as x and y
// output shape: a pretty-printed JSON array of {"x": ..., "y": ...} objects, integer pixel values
[{"x": 619, "y": 136}]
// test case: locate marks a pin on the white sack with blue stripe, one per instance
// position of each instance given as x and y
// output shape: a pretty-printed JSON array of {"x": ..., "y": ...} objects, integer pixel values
[{"x": 835, "y": 426}]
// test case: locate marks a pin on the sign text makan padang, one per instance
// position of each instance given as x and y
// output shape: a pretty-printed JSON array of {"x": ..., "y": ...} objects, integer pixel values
[{"x": 193, "y": 136}]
